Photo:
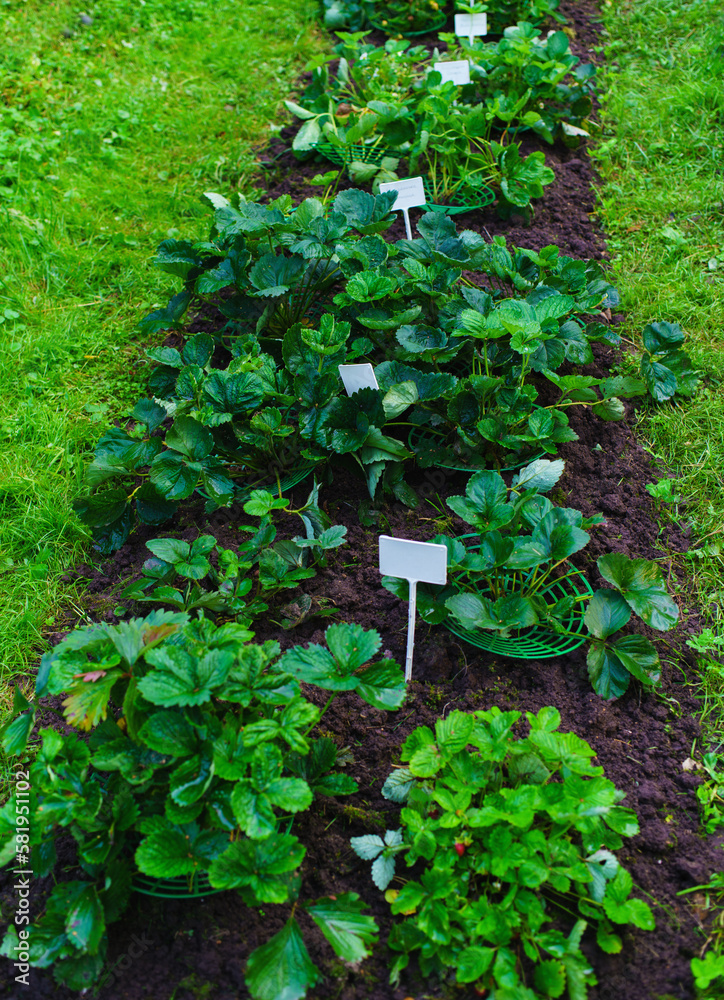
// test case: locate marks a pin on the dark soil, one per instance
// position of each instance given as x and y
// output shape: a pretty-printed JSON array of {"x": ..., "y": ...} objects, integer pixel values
[{"x": 190, "y": 950}]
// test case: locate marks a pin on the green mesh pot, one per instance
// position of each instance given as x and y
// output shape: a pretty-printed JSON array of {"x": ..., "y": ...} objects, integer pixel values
[
  {"x": 535, "y": 642},
  {"x": 435, "y": 26},
  {"x": 181, "y": 887},
  {"x": 463, "y": 202},
  {"x": 419, "y": 437},
  {"x": 351, "y": 152}
]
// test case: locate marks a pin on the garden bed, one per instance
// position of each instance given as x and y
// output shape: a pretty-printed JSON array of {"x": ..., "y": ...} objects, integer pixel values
[{"x": 198, "y": 948}]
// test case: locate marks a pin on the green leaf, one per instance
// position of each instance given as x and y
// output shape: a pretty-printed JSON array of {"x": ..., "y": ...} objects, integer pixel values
[
  {"x": 472, "y": 611},
  {"x": 351, "y": 645},
  {"x": 473, "y": 962},
  {"x": 290, "y": 794},
  {"x": 347, "y": 929},
  {"x": 609, "y": 677},
  {"x": 383, "y": 871},
  {"x": 169, "y": 853},
  {"x": 281, "y": 969},
  {"x": 639, "y": 656},
  {"x": 429, "y": 385},
  {"x": 606, "y": 613},
  {"x": 452, "y": 733},
  {"x": 234, "y": 393},
  {"x": 103, "y": 509},
  {"x": 378, "y": 447},
  {"x": 262, "y": 866},
  {"x": 190, "y": 780},
  {"x": 263, "y": 502},
  {"x": 181, "y": 679},
  {"x": 272, "y": 276},
  {"x": 662, "y": 336},
  {"x": 484, "y": 504},
  {"x": 167, "y": 356},
  {"x": 172, "y": 478},
  {"x": 15, "y": 733},
  {"x": 168, "y": 318},
  {"x": 190, "y": 438},
  {"x": 364, "y": 212},
  {"x": 660, "y": 380},
  {"x": 367, "y": 847},
  {"x": 151, "y": 506},
  {"x": 426, "y": 762},
  {"x": 369, "y": 285},
  {"x": 606, "y": 940},
  {"x": 641, "y": 584},
  {"x": 623, "y": 386},
  {"x": 541, "y": 475},
  {"x": 198, "y": 350},
  {"x": 85, "y": 924},
  {"x": 602, "y": 865},
  {"x": 610, "y": 409},
  {"x": 621, "y": 909},
  {"x": 147, "y": 412},
  {"x": 382, "y": 685},
  {"x": 706, "y": 970},
  {"x": 550, "y": 978}
]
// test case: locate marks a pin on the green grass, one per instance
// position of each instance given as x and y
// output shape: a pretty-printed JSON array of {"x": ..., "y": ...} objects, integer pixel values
[
  {"x": 662, "y": 162},
  {"x": 661, "y": 204},
  {"x": 109, "y": 134}
]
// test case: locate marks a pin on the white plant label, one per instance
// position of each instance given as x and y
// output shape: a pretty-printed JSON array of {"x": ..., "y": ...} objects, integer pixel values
[
  {"x": 454, "y": 72},
  {"x": 471, "y": 25},
  {"x": 356, "y": 377},
  {"x": 410, "y": 194},
  {"x": 415, "y": 562}
]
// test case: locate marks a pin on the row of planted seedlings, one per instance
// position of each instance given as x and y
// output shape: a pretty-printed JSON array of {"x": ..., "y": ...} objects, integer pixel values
[
  {"x": 455, "y": 116},
  {"x": 201, "y": 745}
]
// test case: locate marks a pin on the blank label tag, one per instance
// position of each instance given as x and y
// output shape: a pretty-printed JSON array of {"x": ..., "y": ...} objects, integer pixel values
[
  {"x": 456, "y": 72},
  {"x": 471, "y": 24},
  {"x": 423, "y": 561},
  {"x": 410, "y": 193},
  {"x": 356, "y": 377}
]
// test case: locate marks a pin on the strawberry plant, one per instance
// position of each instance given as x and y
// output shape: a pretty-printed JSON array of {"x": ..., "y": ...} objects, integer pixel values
[
  {"x": 502, "y": 13},
  {"x": 393, "y": 16},
  {"x": 447, "y": 142},
  {"x": 501, "y": 578},
  {"x": 514, "y": 840},
  {"x": 196, "y": 764},
  {"x": 465, "y": 335},
  {"x": 527, "y": 80},
  {"x": 281, "y": 565},
  {"x": 454, "y": 151}
]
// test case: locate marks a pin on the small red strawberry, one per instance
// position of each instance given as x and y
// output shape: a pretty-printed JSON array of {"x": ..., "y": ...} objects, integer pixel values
[{"x": 460, "y": 848}]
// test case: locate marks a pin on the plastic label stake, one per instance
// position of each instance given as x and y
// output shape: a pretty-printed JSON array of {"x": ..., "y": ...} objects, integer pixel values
[
  {"x": 456, "y": 72},
  {"x": 356, "y": 377},
  {"x": 471, "y": 25},
  {"x": 415, "y": 562},
  {"x": 410, "y": 194}
]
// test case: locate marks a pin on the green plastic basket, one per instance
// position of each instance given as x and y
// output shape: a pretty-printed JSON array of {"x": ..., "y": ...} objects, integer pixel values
[
  {"x": 420, "y": 436},
  {"x": 536, "y": 642},
  {"x": 435, "y": 26},
  {"x": 355, "y": 151},
  {"x": 174, "y": 888},
  {"x": 464, "y": 203}
]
